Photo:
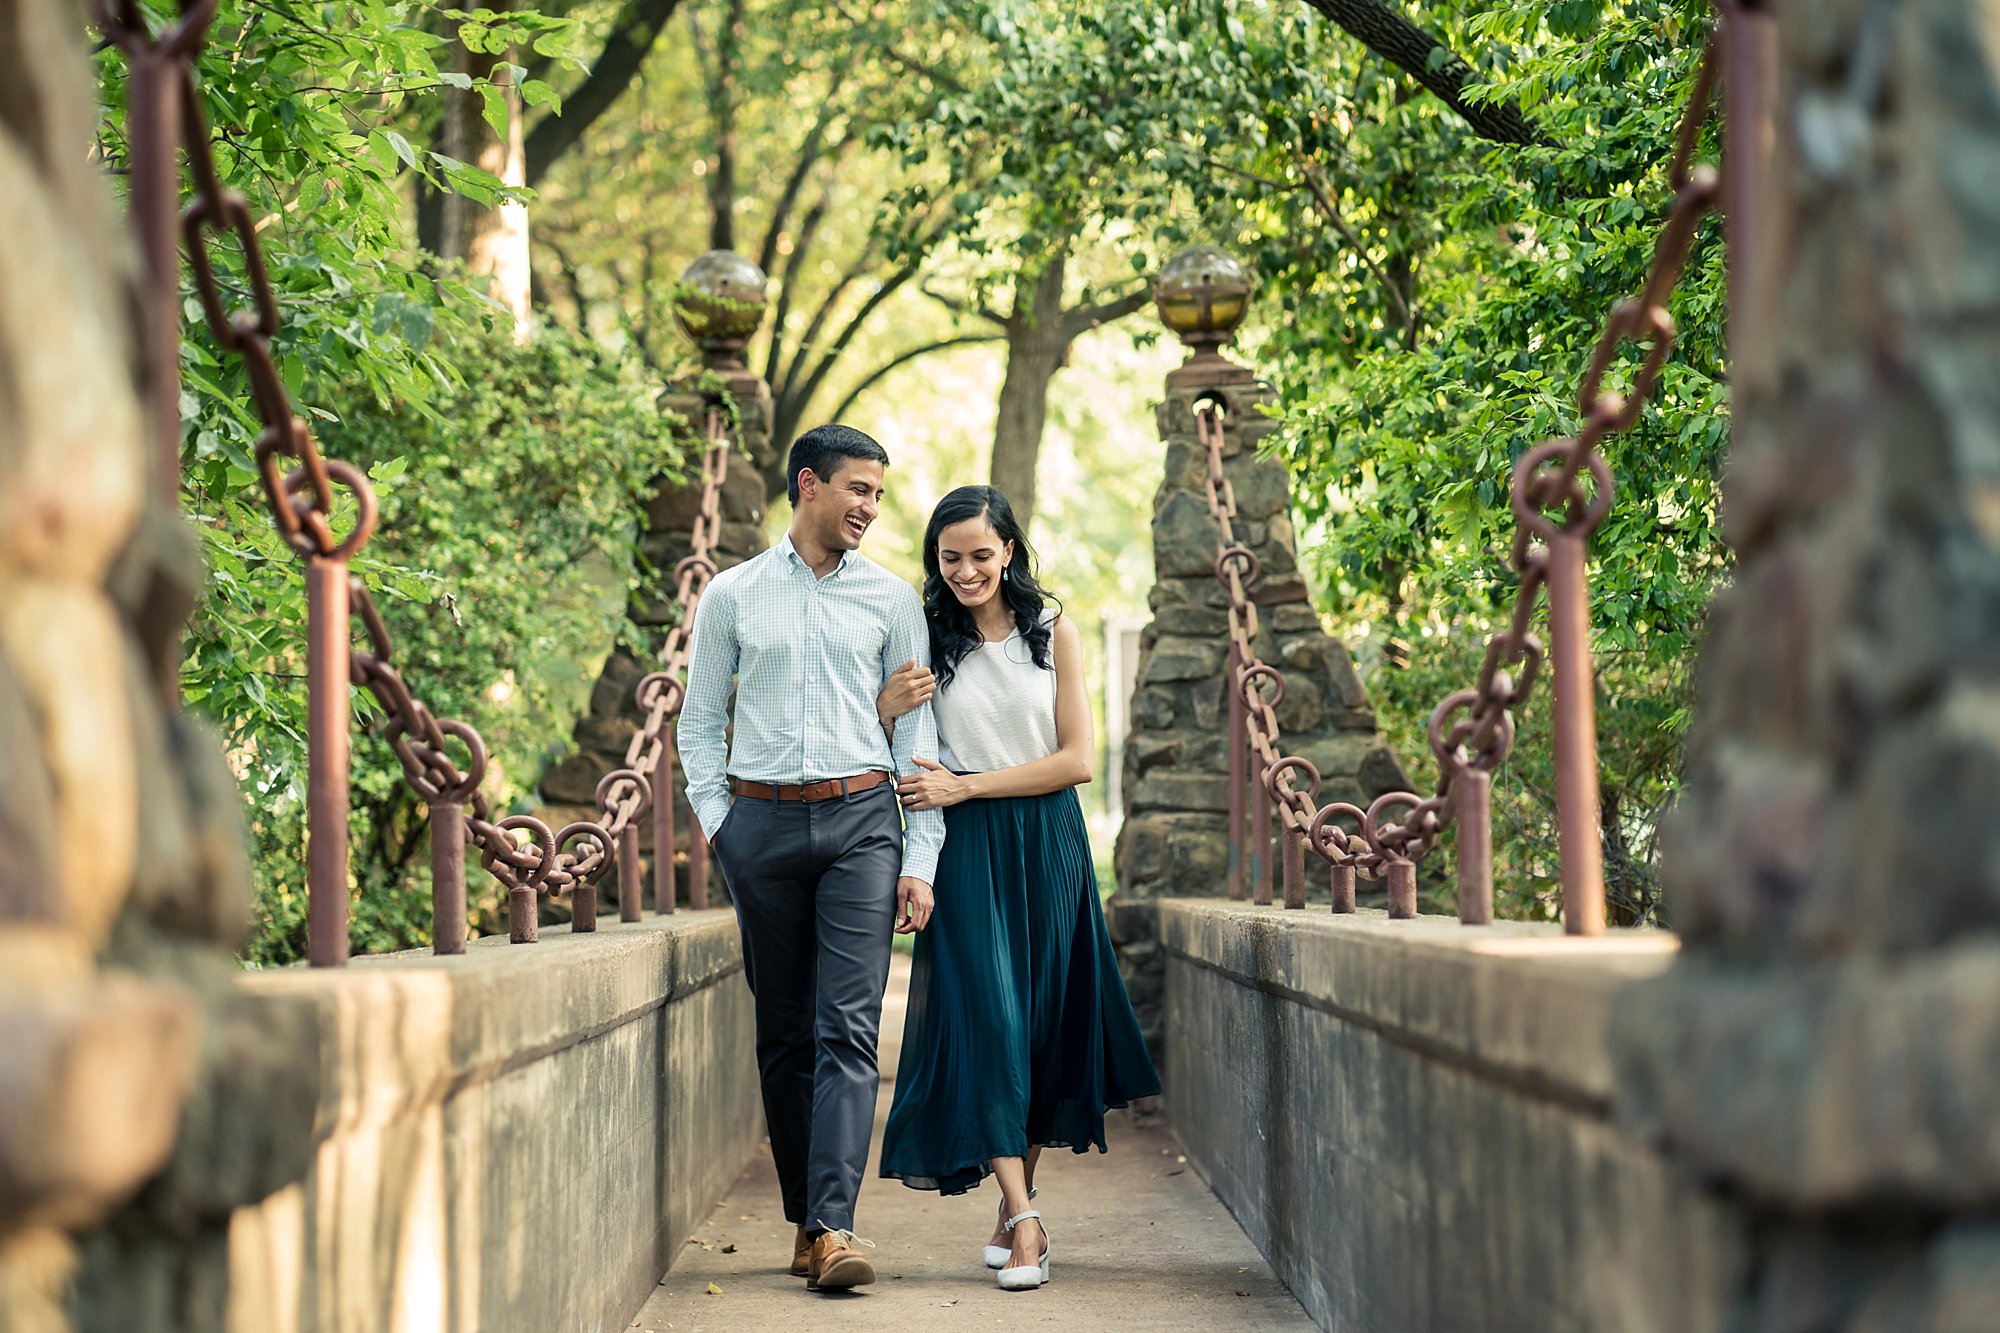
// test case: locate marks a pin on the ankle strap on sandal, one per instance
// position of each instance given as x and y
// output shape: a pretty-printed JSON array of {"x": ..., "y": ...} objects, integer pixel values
[{"x": 1010, "y": 1223}]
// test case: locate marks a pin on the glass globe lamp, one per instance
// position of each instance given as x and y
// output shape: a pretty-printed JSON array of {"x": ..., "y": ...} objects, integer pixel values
[
  {"x": 1202, "y": 294},
  {"x": 719, "y": 305}
]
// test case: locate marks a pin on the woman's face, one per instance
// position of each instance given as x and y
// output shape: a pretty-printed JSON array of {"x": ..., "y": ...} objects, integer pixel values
[{"x": 970, "y": 558}]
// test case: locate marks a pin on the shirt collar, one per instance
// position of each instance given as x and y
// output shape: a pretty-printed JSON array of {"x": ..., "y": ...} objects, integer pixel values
[{"x": 796, "y": 561}]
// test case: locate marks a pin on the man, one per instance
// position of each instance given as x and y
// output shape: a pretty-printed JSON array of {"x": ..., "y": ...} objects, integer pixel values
[{"x": 813, "y": 847}]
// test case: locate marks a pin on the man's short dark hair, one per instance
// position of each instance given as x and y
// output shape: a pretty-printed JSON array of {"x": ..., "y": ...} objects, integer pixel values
[{"x": 822, "y": 448}]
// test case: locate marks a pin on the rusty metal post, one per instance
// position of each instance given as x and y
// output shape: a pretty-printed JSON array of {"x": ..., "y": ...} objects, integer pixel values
[
  {"x": 523, "y": 915},
  {"x": 663, "y": 832},
  {"x": 327, "y": 664},
  {"x": 1340, "y": 879},
  {"x": 697, "y": 866},
  {"x": 1238, "y": 771},
  {"x": 583, "y": 906},
  {"x": 1472, "y": 800},
  {"x": 1575, "y": 725},
  {"x": 1402, "y": 877},
  {"x": 628, "y": 872},
  {"x": 1260, "y": 839},
  {"x": 447, "y": 878},
  {"x": 1750, "y": 90},
  {"x": 153, "y": 101},
  {"x": 1295, "y": 867}
]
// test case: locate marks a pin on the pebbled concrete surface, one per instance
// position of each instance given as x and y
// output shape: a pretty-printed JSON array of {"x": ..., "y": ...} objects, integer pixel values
[{"x": 1138, "y": 1243}]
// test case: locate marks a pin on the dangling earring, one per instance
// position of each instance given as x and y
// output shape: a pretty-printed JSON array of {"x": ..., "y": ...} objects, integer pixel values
[{"x": 1004, "y": 576}]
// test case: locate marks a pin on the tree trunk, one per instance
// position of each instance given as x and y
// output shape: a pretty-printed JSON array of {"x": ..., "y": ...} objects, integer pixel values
[
  {"x": 722, "y": 114},
  {"x": 493, "y": 241},
  {"x": 1037, "y": 344},
  {"x": 1394, "y": 38}
]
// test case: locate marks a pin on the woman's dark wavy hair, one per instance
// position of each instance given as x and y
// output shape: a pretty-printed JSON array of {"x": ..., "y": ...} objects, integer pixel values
[{"x": 953, "y": 633}]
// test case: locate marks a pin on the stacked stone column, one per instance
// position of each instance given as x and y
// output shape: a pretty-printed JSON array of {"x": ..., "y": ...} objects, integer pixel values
[{"x": 1174, "y": 842}]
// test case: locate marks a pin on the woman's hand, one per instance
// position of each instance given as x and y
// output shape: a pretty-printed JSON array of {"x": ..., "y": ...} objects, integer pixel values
[
  {"x": 909, "y": 685},
  {"x": 933, "y": 789}
]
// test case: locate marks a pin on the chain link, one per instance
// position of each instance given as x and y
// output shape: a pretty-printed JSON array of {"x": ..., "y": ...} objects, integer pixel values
[{"x": 624, "y": 794}]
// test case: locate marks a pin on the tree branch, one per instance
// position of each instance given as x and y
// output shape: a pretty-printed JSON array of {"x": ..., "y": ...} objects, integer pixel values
[
  {"x": 1427, "y": 60},
  {"x": 788, "y": 286},
  {"x": 810, "y": 153},
  {"x": 722, "y": 107},
  {"x": 625, "y": 50},
  {"x": 1324, "y": 200},
  {"x": 1083, "y": 319},
  {"x": 904, "y": 359},
  {"x": 856, "y": 271},
  {"x": 963, "y": 308},
  {"x": 917, "y": 67},
  {"x": 883, "y": 291}
]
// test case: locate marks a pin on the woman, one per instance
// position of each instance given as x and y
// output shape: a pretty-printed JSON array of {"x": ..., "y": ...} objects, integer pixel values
[{"x": 1020, "y": 1033}]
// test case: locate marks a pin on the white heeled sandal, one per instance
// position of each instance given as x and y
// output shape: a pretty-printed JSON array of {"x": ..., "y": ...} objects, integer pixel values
[
  {"x": 996, "y": 1256},
  {"x": 1029, "y": 1276}
]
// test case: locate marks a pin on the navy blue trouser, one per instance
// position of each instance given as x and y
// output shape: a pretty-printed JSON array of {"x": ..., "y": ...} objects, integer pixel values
[{"x": 815, "y": 891}]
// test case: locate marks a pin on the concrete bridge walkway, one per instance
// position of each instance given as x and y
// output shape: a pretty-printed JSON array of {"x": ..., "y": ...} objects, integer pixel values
[{"x": 1140, "y": 1243}]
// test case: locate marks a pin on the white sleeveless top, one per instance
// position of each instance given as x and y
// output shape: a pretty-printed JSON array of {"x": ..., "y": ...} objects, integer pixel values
[{"x": 1000, "y": 708}]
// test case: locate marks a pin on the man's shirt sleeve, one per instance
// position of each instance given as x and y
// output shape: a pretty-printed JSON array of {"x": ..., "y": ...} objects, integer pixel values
[
  {"x": 916, "y": 734},
  {"x": 705, "y": 711}
]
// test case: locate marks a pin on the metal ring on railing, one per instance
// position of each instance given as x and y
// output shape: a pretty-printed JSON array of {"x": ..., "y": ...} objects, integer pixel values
[
  {"x": 1252, "y": 696},
  {"x": 1528, "y": 476}
]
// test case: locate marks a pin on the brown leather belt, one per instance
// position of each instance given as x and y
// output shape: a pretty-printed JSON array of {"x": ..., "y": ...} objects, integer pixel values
[{"x": 811, "y": 791}]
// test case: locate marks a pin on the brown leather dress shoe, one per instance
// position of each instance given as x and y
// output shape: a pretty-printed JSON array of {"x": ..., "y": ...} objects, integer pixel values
[
  {"x": 801, "y": 1253},
  {"x": 837, "y": 1263}
]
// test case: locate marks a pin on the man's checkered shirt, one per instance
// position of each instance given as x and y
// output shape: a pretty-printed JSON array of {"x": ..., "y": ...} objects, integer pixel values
[{"x": 808, "y": 656}]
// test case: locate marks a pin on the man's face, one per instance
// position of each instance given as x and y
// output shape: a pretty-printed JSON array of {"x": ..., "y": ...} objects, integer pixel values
[{"x": 841, "y": 506}]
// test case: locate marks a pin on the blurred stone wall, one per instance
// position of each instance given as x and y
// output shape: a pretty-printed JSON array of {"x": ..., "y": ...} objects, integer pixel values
[
  {"x": 1174, "y": 841},
  {"x": 1828, "y": 1049},
  {"x": 141, "y": 1097}
]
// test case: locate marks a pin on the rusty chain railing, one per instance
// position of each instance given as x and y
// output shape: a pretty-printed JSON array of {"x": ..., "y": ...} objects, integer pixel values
[
  {"x": 624, "y": 793},
  {"x": 165, "y": 107},
  {"x": 1472, "y": 730}
]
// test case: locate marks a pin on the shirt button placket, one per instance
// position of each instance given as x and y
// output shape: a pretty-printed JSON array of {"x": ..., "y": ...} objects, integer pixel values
[{"x": 805, "y": 672}]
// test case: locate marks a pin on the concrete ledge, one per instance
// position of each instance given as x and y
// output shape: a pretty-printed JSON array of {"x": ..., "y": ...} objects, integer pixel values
[
  {"x": 521, "y": 1137},
  {"x": 1518, "y": 1002},
  {"x": 1412, "y": 1120}
]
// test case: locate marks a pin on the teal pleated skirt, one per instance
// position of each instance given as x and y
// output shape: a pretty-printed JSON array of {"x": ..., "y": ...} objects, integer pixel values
[{"x": 1019, "y": 1030}]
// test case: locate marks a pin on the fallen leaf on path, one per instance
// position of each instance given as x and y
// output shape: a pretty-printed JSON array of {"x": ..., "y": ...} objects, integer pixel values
[
  {"x": 1242, "y": 1293},
  {"x": 714, "y": 1290},
  {"x": 730, "y": 1248}
]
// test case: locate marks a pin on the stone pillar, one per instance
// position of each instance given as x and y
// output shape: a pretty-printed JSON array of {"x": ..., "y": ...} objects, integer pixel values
[
  {"x": 1825, "y": 1048},
  {"x": 1174, "y": 841},
  {"x": 142, "y": 1097},
  {"x": 603, "y": 733}
]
